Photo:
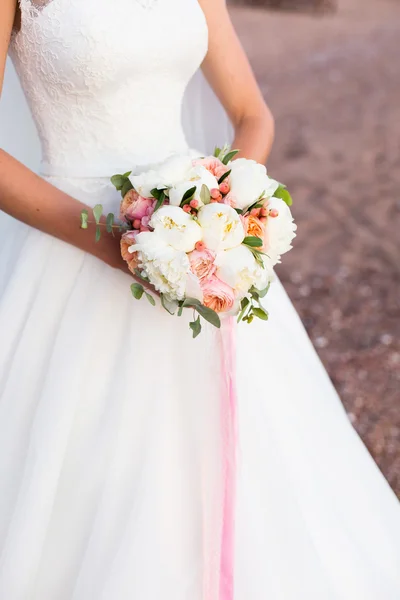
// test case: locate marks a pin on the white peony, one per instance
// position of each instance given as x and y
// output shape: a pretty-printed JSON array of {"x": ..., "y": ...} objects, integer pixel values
[
  {"x": 239, "y": 269},
  {"x": 196, "y": 177},
  {"x": 174, "y": 169},
  {"x": 248, "y": 180},
  {"x": 145, "y": 182},
  {"x": 167, "y": 269},
  {"x": 221, "y": 225},
  {"x": 176, "y": 227},
  {"x": 280, "y": 230}
]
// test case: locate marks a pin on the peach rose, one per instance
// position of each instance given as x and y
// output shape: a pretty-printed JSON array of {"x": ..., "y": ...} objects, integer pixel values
[
  {"x": 134, "y": 206},
  {"x": 128, "y": 239},
  {"x": 217, "y": 295},
  {"x": 202, "y": 263},
  {"x": 256, "y": 228},
  {"x": 212, "y": 164}
]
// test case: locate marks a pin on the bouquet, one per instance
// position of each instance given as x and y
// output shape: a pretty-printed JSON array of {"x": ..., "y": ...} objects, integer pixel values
[{"x": 205, "y": 233}]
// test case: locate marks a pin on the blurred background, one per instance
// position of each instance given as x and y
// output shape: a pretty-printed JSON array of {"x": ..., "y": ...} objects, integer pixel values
[{"x": 330, "y": 72}]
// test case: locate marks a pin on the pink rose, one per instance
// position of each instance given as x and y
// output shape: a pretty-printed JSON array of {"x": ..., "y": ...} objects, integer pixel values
[
  {"x": 212, "y": 164},
  {"x": 134, "y": 206},
  {"x": 217, "y": 295},
  {"x": 202, "y": 263},
  {"x": 128, "y": 239}
]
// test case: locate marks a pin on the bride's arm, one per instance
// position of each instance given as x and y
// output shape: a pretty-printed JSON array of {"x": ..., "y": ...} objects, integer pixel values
[
  {"x": 229, "y": 73},
  {"x": 31, "y": 199}
]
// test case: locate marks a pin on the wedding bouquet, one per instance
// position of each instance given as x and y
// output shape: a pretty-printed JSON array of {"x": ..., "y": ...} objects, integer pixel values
[{"x": 204, "y": 232}]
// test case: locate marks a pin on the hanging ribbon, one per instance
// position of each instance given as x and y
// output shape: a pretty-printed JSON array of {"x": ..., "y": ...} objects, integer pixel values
[{"x": 219, "y": 503}]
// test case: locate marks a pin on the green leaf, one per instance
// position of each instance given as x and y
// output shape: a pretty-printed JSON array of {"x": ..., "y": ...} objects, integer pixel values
[
  {"x": 139, "y": 274},
  {"x": 217, "y": 152},
  {"x": 229, "y": 156},
  {"x": 191, "y": 302},
  {"x": 209, "y": 315},
  {"x": 97, "y": 212},
  {"x": 224, "y": 176},
  {"x": 98, "y": 233},
  {"x": 126, "y": 187},
  {"x": 283, "y": 193},
  {"x": 160, "y": 200},
  {"x": 110, "y": 223},
  {"x": 195, "y": 326},
  {"x": 188, "y": 195},
  {"x": 118, "y": 181},
  {"x": 127, "y": 174},
  {"x": 239, "y": 211},
  {"x": 264, "y": 292},
  {"x": 205, "y": 195},
  {"x": 137, "y": 290},
  {"x": 84, "y": 219},
  {"x": 155, "y": 192},
  {"x": 180, "y": 311},
  {"x": 150, "y": 298},
  {"x": 252, "y": 241},
  {"x": 244, "y": 305},
  {"x": 260, "y": 313},
  {"x": 169, "y": 305}
]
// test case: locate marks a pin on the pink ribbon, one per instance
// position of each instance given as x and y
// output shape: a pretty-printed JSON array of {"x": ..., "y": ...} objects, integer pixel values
[{"x": 219, "y": 505}]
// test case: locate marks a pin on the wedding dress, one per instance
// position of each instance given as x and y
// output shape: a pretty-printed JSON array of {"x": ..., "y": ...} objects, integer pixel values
[{"x": 110, "y": 444}]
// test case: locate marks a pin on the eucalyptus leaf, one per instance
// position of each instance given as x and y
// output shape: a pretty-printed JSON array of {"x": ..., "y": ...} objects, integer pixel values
[
  {"x": 127, "y": 174},
  {"x": 239, "y": 211},
  {"x": 84, "y": 219},
  {"x": 98, "y": 233},
  {"x": 205, "y": 195},
  {"x": 224, "y": 176},
  {"x": 169, "y": 305},
  {"x": 264, "y": 292},
  {"x": 260, "y": 313},
  {"x": 110, "y": 223},
  {"x": 228, "y": 157},
  {"x": 137, "y": 290},
  {"x": 191, "y": 302},
  {"x": 126, "y": 187},
  {"x": 252, "y": 241},
  {"x": 118, "y": 181},
  {"x": 209, "y": 315},
  {"x": 97, "y": 212},
  {"x": 195, "y": 326},
  {"x": 150, "y": 298}
]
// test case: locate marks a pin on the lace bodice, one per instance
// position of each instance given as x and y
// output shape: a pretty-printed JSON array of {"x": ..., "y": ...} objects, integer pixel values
[{"x": 105, "y": 79}]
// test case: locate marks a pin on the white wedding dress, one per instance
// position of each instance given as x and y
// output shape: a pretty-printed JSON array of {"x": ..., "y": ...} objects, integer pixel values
[{"x": 110, "y": 470}]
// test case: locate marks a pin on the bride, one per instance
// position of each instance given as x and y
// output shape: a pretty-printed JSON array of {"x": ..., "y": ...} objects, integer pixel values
[{"x": 110, "y": 445}]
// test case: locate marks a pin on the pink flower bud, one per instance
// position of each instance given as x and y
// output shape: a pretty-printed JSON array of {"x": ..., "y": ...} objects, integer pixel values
[
  {"x": 136, "y": 224},
  {"x": 200, "y": 246},
  {"x": 255, "y": 212},
  {"x": 215, "y": 193},
  {"x": 263, "y": 219},
  {"x": 194, "y": 203},
  {"x": 186, "y": 208},
  {"x": 273, "y": 212},
  {"x": 224, "y": 187},
  {"x": 264, "y": 212}
]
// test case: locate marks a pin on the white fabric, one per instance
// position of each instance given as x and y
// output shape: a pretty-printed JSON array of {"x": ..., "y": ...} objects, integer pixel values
[{"x": 109, "y": 422}]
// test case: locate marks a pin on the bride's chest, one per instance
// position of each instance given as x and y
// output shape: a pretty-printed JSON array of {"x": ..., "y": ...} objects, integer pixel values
[{"x": 73, "y": 41}]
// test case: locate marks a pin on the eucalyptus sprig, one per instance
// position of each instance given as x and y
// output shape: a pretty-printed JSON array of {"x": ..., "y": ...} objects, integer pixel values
[
  {"x": 109, "y": 224},
  {"x": 251, "y": 306}
]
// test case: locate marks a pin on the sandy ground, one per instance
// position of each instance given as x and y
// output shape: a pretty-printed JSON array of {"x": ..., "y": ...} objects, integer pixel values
[{"x": 333, "y": 84}]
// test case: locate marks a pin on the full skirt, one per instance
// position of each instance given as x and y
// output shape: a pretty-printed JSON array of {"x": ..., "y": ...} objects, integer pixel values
[{"x": 110, "y": 443}]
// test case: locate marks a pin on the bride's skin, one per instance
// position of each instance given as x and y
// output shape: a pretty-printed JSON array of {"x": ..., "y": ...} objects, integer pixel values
[{"x": 29, "y": 198}]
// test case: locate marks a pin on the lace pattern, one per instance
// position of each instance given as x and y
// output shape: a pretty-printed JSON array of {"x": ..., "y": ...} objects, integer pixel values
[{"x": 104, "y": 84}]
